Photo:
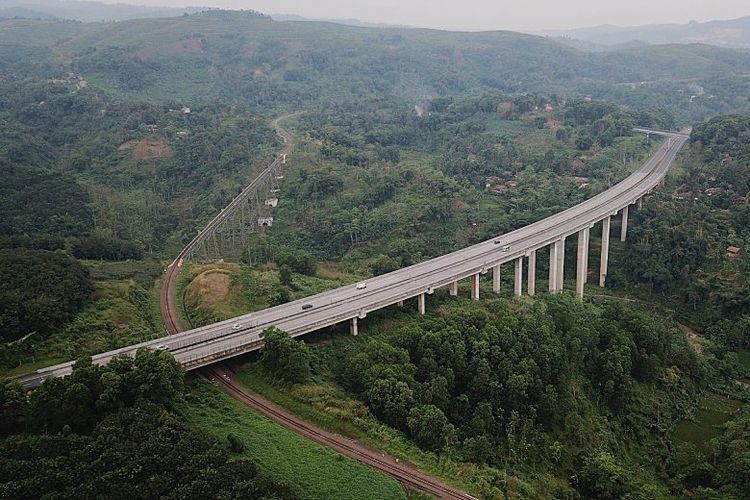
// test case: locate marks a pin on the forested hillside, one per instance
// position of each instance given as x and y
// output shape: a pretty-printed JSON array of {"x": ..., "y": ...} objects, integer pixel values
[
  {"x": 118, "y": 141},
  {"x": 247, "y": 56},
  {"x": 382, "y": 187},
  {"x": 681, "y": 240}
]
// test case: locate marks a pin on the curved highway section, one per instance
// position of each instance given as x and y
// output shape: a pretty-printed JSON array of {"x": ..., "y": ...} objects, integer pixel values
[{"x": 206, "y": 345}]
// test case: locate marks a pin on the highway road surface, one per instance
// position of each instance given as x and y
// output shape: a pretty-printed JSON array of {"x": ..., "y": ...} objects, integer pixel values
[{"x": 203, "y": 346}]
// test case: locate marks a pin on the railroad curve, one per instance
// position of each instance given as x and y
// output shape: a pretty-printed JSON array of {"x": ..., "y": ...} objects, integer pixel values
[{"x": 400, "y": 471}]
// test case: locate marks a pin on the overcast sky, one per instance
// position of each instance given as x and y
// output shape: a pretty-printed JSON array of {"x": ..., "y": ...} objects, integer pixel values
[{"x": 489, "y": 14}]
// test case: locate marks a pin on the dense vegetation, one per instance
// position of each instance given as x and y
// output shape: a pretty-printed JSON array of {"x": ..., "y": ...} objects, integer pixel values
[
  {"x": 110, "y": 432},
  {"x": 381, "y": 187},
  {"x": 41, "y": 292},
  {"x": 681, "y": 240},
  {"x": 518, "y": 389}
]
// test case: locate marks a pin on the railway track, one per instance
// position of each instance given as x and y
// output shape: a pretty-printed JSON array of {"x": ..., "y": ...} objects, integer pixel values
[
  {"x": 167, "y": 301},
  {"x": 401, "y": 472}
]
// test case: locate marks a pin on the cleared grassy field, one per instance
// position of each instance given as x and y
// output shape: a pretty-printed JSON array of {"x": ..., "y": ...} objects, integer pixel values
[
  {"x": 714, "y": 411},
  {"x": 311, "y": 470},
  {"x": 744, "y": 358}
]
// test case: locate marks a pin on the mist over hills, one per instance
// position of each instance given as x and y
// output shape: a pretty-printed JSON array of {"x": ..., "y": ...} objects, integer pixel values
[
  {"x": 85, "y": 11},
  {"x": 723, "y": 33},
  {"x": 270, "y": 64}
]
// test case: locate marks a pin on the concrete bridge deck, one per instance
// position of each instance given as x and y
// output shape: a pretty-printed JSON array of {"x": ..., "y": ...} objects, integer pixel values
[{"x": 209, "y": 344}]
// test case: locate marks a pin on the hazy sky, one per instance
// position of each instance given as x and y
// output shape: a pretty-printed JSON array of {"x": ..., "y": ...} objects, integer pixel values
[{"x": 489, "y": 14}]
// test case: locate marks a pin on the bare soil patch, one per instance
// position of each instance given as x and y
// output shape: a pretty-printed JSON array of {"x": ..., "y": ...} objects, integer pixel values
[
  {"x": 694, "y": 338},
  {"x": 190, "y": 46},
  {"x": 210, "y": 287},
  {"x": 148, "y": 149}
]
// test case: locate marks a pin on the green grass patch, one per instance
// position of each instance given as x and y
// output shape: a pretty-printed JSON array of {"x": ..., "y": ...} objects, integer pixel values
[
  {"x": 508, "y": 128},
  {"x": 743, "y": 357},
  {"x": 311, "y": 470},
  {"x": 713, "y": 411}
]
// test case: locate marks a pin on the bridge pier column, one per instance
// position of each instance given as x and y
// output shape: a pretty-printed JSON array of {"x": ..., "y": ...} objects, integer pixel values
[
  {"x": 531, "y": 285},
  {"x": 560, "y": 280},
  {"x": 586, "y": 256},
  {"x": 454, "y": 289},
  {"x": 624, "y": 228},
  {"x": 518, "y": 288},
  {"x": 421, "y": 304},
  {"x": 496, "y": 279},
  {"x": 400, "y": 303},
  {"x": 353, "y": 327},
  {"x": 475, "y": 286},
  {"x": 605, "y": 252},
  {"x": 553, "y": 267},
  {"x": 640, "y": 203},
  {"x": 582, "y": 266}
]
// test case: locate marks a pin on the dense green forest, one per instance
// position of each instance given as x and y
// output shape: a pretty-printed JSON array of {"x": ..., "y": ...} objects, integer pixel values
[
  {"x": 41, "y": 292},
  {"x": 382, "y": 187},
  {"x": 112, "y": 432},
  {"x": 682, "y": 236}
]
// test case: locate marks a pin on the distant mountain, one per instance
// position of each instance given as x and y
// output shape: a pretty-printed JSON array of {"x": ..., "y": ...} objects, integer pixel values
[
  {"x": 23, "y": 13},
  {"x": 85, "y": 11},
  {"x": 733, "y": 33},
  {"x": 346, "y": 22}
]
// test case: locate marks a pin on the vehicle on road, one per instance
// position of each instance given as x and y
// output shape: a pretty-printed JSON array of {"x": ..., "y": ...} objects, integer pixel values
[
  {"x": 361, "y": 286},
  {"x": 162, "y": 347},
  {"x": 305, "y": 307},
  {"x": 236, "y": 326}
]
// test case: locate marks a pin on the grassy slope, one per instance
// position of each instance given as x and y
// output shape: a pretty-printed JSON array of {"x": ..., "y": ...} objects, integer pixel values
[
  {"x": 312, "y": 471},
  {"x": 713, "y": 411}
]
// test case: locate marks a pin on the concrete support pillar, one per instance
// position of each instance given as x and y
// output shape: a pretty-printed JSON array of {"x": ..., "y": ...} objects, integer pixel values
[
  {"x": 553, "y": 268},
  {"x": 605, "y": 252},
  {"x": 560, "y": 265},
  {"x": 518, "y": 288},
  {"x": 586, "y": 256},
  {"x": 421, "y": 304},
  {"x": 496, "y": 279},
  {"x": 582, "y": 267},
  {"x": 640, "y": 203},
  {"x": 400, "y": 303},
  {"x": 454, "y": 289},
  {"x": 353, "y": 328},
  {"x": 475, "y": 287},
  {"x": 532, "y": 273},
  {"x": 624, "y": 228}
]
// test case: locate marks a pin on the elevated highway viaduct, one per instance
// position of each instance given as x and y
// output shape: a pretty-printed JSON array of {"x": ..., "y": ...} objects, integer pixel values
[{"x": 206, "y": 345}]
